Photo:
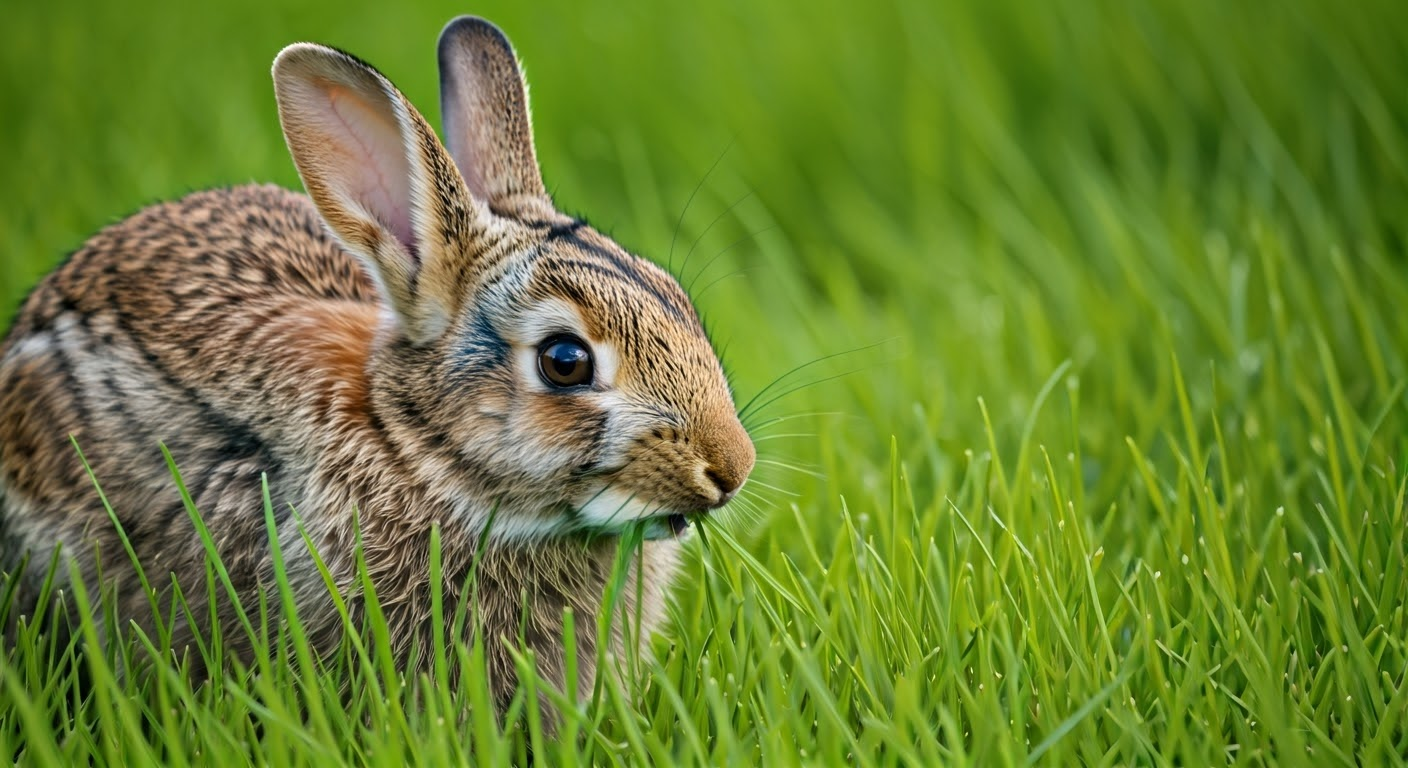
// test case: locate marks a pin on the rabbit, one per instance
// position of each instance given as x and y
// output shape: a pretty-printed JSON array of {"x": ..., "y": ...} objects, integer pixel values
[{"x": 421, "y": 341}]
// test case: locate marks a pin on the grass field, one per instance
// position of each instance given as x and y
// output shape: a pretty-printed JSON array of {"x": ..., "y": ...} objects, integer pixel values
[{"x": 1104, "y": 453}]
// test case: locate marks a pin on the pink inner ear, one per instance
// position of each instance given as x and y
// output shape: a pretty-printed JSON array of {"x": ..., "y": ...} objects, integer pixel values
[{"x": 372, "y": 167}]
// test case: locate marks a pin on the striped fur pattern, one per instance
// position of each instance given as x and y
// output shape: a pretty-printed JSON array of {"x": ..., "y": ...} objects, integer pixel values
[{"x": 373, "y": 348}]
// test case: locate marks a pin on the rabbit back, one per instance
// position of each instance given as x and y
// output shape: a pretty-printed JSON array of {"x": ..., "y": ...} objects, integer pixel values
[{"x": 185, "y": 325}]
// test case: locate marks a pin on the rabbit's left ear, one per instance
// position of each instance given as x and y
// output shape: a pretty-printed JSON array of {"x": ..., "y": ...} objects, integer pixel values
[
  {"x": 484, "y": 103},
  {"x": 381, "y": 180}
]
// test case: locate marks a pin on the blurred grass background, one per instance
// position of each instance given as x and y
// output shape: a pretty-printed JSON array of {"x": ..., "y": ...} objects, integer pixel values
[{"x": 1136, "y": 272}]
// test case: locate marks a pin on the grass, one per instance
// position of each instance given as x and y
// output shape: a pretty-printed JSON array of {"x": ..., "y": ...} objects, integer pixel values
[{"x": 1109, "y": 466}]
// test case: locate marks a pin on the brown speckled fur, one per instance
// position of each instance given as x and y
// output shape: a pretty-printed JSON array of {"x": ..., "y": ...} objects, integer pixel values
[{"x": 372, "y": 351}]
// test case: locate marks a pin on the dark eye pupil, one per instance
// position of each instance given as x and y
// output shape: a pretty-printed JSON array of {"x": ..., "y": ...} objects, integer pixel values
[
  {"x": 567, "y": 358},
  {"x": 565, "y": 363}
]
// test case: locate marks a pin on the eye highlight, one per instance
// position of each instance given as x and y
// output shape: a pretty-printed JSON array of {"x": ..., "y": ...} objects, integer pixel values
[{"x": 565, "y": 361}]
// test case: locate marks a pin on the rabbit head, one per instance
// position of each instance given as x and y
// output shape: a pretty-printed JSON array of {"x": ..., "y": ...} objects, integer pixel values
[{"x": 527, "y": 367}]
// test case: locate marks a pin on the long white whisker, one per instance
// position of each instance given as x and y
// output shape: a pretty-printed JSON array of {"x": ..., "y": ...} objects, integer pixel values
[
  {"x": 785, "y": 435},
  {"x": 793, "y": 467},
  {"x": 794, "y": 416},
  {"x": 774, "y": 488}
]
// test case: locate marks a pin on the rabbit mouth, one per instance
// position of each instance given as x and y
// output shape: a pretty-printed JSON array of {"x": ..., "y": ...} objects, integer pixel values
[{"x": 671, "y": 526}]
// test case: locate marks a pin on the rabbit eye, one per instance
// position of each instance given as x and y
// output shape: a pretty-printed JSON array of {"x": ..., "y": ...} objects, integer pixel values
[{"x": 565, "y": 361}]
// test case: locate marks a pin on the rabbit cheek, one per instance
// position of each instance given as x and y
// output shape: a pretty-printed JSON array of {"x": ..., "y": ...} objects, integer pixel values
[{"x": 567, "y": 430}]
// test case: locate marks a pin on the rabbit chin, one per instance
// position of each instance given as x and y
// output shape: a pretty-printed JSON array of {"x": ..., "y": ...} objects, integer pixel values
[{"x": 615, "y": 510}]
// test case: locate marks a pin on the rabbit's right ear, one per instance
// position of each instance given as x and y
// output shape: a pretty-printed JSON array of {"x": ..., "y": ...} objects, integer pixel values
[{"x": 380, "y": 178}]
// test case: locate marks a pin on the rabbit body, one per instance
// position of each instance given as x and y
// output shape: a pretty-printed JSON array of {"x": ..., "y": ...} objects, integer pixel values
[{"x": 402, "y": 352}]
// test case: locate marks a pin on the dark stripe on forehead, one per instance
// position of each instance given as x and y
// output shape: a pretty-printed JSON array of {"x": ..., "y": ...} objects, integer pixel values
[
  {"x": 629, "y": 269},
  {"x": 594, "y": 267},
  {"x": 571, "y": 290},
  {"x": 500, "y": 272},
  {"x": 563, "y": 231}
]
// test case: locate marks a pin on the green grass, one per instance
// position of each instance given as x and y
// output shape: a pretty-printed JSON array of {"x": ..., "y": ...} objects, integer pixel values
[{"x": 1117, "y": 475}]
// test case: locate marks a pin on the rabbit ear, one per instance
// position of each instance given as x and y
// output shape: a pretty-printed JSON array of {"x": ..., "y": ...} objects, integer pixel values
[
  {"x": 484, "y": 103},
  {"x": 381, "y": 180}
]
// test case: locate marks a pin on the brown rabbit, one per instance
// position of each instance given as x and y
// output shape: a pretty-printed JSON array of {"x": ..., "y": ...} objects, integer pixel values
[{"x": 427, "y": 341}]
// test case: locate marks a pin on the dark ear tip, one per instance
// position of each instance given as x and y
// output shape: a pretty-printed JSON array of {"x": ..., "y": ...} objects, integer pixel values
[{"x": 472, "y": 31}]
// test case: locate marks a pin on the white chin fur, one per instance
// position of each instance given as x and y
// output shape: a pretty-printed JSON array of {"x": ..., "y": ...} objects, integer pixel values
[{"x": 614, "y": 509}]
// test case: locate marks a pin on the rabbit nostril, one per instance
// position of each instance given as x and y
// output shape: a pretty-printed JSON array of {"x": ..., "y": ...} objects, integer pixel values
[{"x": 727, "y": 486}]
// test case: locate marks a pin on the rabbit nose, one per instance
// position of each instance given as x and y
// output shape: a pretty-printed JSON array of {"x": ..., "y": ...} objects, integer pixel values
[
  {"x": 730, "y": 462},
  {"x": 728, "y": 487}
]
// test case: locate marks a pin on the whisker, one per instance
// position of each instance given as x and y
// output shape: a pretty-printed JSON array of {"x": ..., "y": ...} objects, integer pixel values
[
  {"x": 774, "y": 458},
  {"x": 751, "y": 493},
  {"x": 748, "y": 517},
  {"x": 782, "y": 491},
  {"x": 784, "y": 435},
  {"x": 803, "y": 367},
  {"x": 741, "y": 500},
  {"x": 745, "y": 508},
  {"x": 792, "y": 467},
  {"x": 793, "y": 417},
  {"x": 685, "y": 263},
  {"x": 754, "y": 495},
  {"x": 753, "y": 512},
  {"x": 743, "y": 415},
  {"x": 712, "y": 283},
  {"x": 670, "y": 261},
  {"x": 689, "y": 288}
]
